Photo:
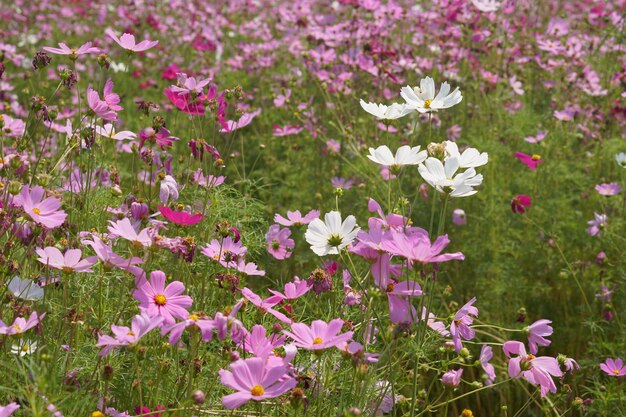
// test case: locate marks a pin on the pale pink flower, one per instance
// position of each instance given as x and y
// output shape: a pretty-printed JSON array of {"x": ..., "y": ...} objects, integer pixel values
[
  {"x": 295, "y": 218},
  {"x": 124, "y": 229},
  {"x": 68, "y": 262},
  {"x": 536, "y": 370},
  {"x": 63, "y": 49},
  {"x": 320, "y": 335},
  {"x": 45, "y": 212},
  {"x": 124, "y": 336},
  {"x": 158, "y": 300},
  {"x": 127, "y": 41}
]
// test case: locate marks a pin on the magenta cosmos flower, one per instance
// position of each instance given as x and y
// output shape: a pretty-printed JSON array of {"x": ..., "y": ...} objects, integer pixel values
[
  {"x": 63, "y": 49},
  {"x": 185, "y": 102},
  {"x": 45, "y": 212},
  {"x": 295, "y": 218},
  {"x": 279, "y": 245},
  {"x": 536, "y": 370},
  {"x": 8, "y": 409},
  {"x": 127, "y": 41},
  {"x": 181, "y": 218},
  {"x": 531, "y": 161},
  {"x": 254, "y": 380},
  {"x": 519, "y": 202},
  {"x": 158, "y": 300},
  {"x": 124, "y": 336},
  {"x": 320, "y": 335},
  {"x": 68, "y": 262},
  {"x": 537, "y": 333},
  {"x": 613, "y": 367}
]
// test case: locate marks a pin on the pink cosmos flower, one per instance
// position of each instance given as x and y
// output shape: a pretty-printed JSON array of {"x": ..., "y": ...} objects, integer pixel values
[
  {"x": 519, "y": 202},
  {"x": 279, "y": 245},
  {"x": 124, "y": 229},
  {"x": 226, "y": 252},
  {"x": 266, "y": 305},
  {"x": 531, "y": 161},
  {"x": 295, "y": 218},
  {"x": 608, "y": 189},
  {"x": 110, "y": 98},
  {"x": 400, "y": 308},
  {"x": 66, "y": 50},
  {"x": 109, "y": 257},
  {"x": 180, "y": 217},
  {"x": 294, "y": 289},
  {"x": 244, "y": 120},
  {"x": 8, "y": 409},
  {"x": 537, "y": 333},
  {"x": 541, "y": 135},
  {"x": 13, "y": 128},
  {"x": 459, "y": 217},
  {"x": 257, "y": 342},
  {"x": 185, "y": 102},
  {"x": 613, "y": 367},
  {"x": 597, "y": 224},
  {"x": 189, "y": 85},
  {"x": 416, "y": 247},
  {"x": 108, "y": 131},
  {"x": 320, "y": 335},
  {"x": 70, "y": 262},
  {"x": 486, "y": 353},
  {"x": 158, "y": 300},
  {"x": 452, "y": 378},
  {"x": 204, "y": 324},
  {"x": 249, "y": 268},
  {"x": 254, "y": 380},
  {"x": 100, "y": 107},
  {"x": 21, "y": 325},
  {"x": 45, "y": 212},
  {"x": 127, "y": 41},
  {"x": 516, "y": 85},
  {"x": 460, "y": 326},
  {"x": 536, "y": 370},
  {"x": 162, "y": 138},
  {"x": 124, "y": 336},
  {"x": 287, "y": 130}
]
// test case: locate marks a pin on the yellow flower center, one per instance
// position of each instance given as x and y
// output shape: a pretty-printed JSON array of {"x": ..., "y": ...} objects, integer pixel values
[
  {"x": 615, "y": 371},
  {"x": 536, "y": 157},
  {"x": 257, "y": 390},
  {"x": 25, "y": 348},
  {"x": 427, "y": 103},
  {"x": 68, "y": 269},
  {"x": 97, "y": 413},
  {"x": 18, "y": 328},
  {"x": 318, "y": 341},
  {"x": 130, "y": 334},
  {"x": 36, "y": 211},
  {"x": 390, "y": 287},
  {"x": 160, "y": 299},
  {"x": 467, "y": 413},
  {"x": 193, "y": 317}
]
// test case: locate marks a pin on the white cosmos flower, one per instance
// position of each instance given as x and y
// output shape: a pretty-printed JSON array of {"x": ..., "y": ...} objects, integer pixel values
[
  {"x": 331, "y": 235},
  {"x": 444, "y": 178},
  {"x": 108, "y": 131},
  {"x": 423, "y": 98},
  {"x": 25, "y": 289},
  {"x": 382, "y": 111},
  {"x": 26, "y": 347},
  {"x": 621, "y": 159},
  {"x": 405, "y": 155},
  {"x": 487, "y": 6},
  {"x": 470, "y": 158}
]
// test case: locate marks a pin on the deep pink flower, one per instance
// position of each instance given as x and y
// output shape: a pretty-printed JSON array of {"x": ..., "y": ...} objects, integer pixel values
[
  {"x": 66, "y": 50},
  {"x": 163, "y": 138},
  {"x": 537, "y": 333},
  {"x": 320, "y": 335},
  {"x": 70, "y": 262},
  {"x": 452, "y": 378},
  {"x": 295, "y": 218},
  {"x": 127, "y": 41},
  {"x": 185, "y": 102},
  {"x": 519, "y": 202},
  {"x": 180, "y": 217},
  {"x": 536, "y": 370},
  {"x": 45, "y": 212},
  {"x": 460, "y": 326},
  {"x": 158, "y": 300},
  {"x": 124, "y": 336},
  {"x": 254, "y": 380},
  {"x": 613, "y": 367},
  {"x": 531, "y": 161},
  {"x": 279, "y": 245}
]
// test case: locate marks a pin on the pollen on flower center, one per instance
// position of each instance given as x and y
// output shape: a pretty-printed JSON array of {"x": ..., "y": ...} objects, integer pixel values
[
  {"x": 130, "y": 333},
  {"x": 390, "y": 287},
  {"x": 257, "y": 390},
  {"x": 334, "y": 240},
  {"x": 36, "y": 211},
  {"x": 18, "y": 328},
  {"x": 160, "y": 299},
  {"x": 536, "y": 157},
  {"x": 427, "y": 103},
  {"x": 318, "y": 341},
  {"x": 616, "y": 371},
  {"x": 193, "y": 317}
]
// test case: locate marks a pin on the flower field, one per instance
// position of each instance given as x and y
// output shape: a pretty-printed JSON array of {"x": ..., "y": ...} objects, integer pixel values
[{"x": 312, "y": 208}]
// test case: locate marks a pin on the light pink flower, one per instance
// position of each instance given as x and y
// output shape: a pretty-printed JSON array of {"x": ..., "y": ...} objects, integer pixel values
[
  {"x": 536, "y": 334},
  {"x": 613, "y": 367},
  {"x": 279, "y": 245},
  {"x": 70, "y": 262},
  {"x": 21, "y": 325},
  {"x": 45, "y": 212},
  {"x": 295, "y": 218},
  {"x": 205, "y": 325},
  {"x": 109, "y": 257},
  {"x": 13, "y": 128},
  {"x": 536, "y": 370},
  {"x": 452, "y": 378},
  {"x": 124, "y": 229},
  {"x": 8, "y": 409},
  {"x": 66, "y": 50},
  {"x": 127, "y": 41},
  {"x": 124, "y": 336},
  {"x": 294, "y": 289},
  {"x": 460, "y": 326},
  {"x": 158, "y": 300},
  {"x": 320, "y": 335},
  {"x": 486, "y": 353},
  {"x": 254, "y": 380}
]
